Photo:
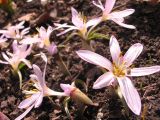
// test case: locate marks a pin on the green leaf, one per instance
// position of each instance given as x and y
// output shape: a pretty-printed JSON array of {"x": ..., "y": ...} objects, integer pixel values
[
  {"x": 21, "y": 65},
  {"x": 98, "y": 36}
]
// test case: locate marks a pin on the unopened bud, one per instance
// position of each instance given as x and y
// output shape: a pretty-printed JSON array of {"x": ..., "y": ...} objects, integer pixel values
[{"x": 79, "y": 96}]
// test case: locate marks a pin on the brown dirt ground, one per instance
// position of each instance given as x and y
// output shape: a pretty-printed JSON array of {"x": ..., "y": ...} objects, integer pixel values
[{"x": 146, "y": 19}]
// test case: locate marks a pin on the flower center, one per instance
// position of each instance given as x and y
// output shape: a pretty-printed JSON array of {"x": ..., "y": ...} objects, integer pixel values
[
  {"x": 119, "y": 70},
  {"x": 46, "y": 42}
]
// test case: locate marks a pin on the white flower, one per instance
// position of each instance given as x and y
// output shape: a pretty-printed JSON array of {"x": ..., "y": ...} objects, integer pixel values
[
  {"x": 14, "y": 31},
  {"x": 79, "y": 23},
  {"x": 120, "y": 71},
  {"x": 116, "y": 16},
  {"x": 36, "y": 96}
]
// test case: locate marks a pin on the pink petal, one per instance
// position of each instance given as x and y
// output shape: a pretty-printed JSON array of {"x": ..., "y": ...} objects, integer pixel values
[
  {"x": 132, "y": 53},
  {"x": 20, "y": 25},
  {"x": 50, "y": 92},
  {"x": 130, "y": 94},
  {"x": 42, "y": 31},
  {"x": 39, "y": 75},
  {"x": 95, "y": 58},
  {"x": 52, "y": 49},
  {"x": 15, "y": 46},
  {"x": 26, "y": 62},
  {"x": 25, "y": 31},
  {"x": 5, "y": 57},
  {"x": 39, "y": 100},
  {"x": 114, "y": 49},
  {"x": 3, "y": 62},
  {"x": 29, "y": 101},
  {"x": 93, "y": 22},
  {"x": 104, "y": 80},
  {"x": 144, "y": 71},
  {"x": 109, "y": 6},
  {"x": 100, "y": 5},
  {"x": 25, "y": 113},
  {"x": 29, "y": 40},
  {"x": 123, "y": 24},
  {"x": 44, "y": 57},
  {"x": 122, "y": 14},
  {"x": 65, "y": 31},
  {"x": 49, "y": 30},
  {"x": 67, "y": 88},
  {"x": 77, "y": 20}
]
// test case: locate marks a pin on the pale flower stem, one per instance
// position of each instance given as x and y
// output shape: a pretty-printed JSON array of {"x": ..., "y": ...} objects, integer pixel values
[
  {"x": 62, "y": 65},
  {"x": 18, "y": 74}
]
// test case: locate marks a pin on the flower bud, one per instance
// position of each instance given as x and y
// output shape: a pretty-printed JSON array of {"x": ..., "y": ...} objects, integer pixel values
[
  {"x": 79, "y": 96},
  {"x": 76, "y": 94}
]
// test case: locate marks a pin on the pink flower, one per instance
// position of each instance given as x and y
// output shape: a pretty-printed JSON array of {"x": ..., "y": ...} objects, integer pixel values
[
  {"x": 117, "y": 17},
  {"x": 120, "y": 71},
  {"x": 36, "y": 96},
  {"x": 20, "y": 52},
  {"x": 79, "y": 23},
  {"x": 14, "y": 31},
  {"x": 43, "y": 40}
]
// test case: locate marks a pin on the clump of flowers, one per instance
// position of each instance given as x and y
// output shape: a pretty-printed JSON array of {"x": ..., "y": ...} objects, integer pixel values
[
  {"x": 120, "y": 71},
  {"x": 117, "y": 74}
]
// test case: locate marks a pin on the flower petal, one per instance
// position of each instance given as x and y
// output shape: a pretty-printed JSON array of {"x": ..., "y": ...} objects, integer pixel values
[
  {"x": 25, "y": 113},
  {"x": 3, "y": 62},
  {"x": 29, "y": 101},
  {"x": 93, "y": 22},
  {"x": 26, "y": 62},
  {"x": 122, "y": 14},
  {"x": 65, "y": 31},
  {"x": 39, "y": 100},
  {"x": 5, "y": 57},
  {"x": 67, "y": 88},
  {"x": 77, "y": 19},
  {"x": 104, "y": 80},
  {"x": 49, "y": 30},
  {"x": 132, "y": 53},
  {"x": 114, "y": 49},
  {"x": 52, "y": 49},
  {"x": 100, "y": 5},
  {"x": 50, "y": 92},
  {"x": 123, "y": 24},
  {"x": 29, "y": 40},
  {"x": 144, "y": 71},
  {"x": 109, "y": 6},
  {"x": 95, "y": 58},
  {"x": 130, "y": 94},
  {"x": 39, "y": 75}
]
